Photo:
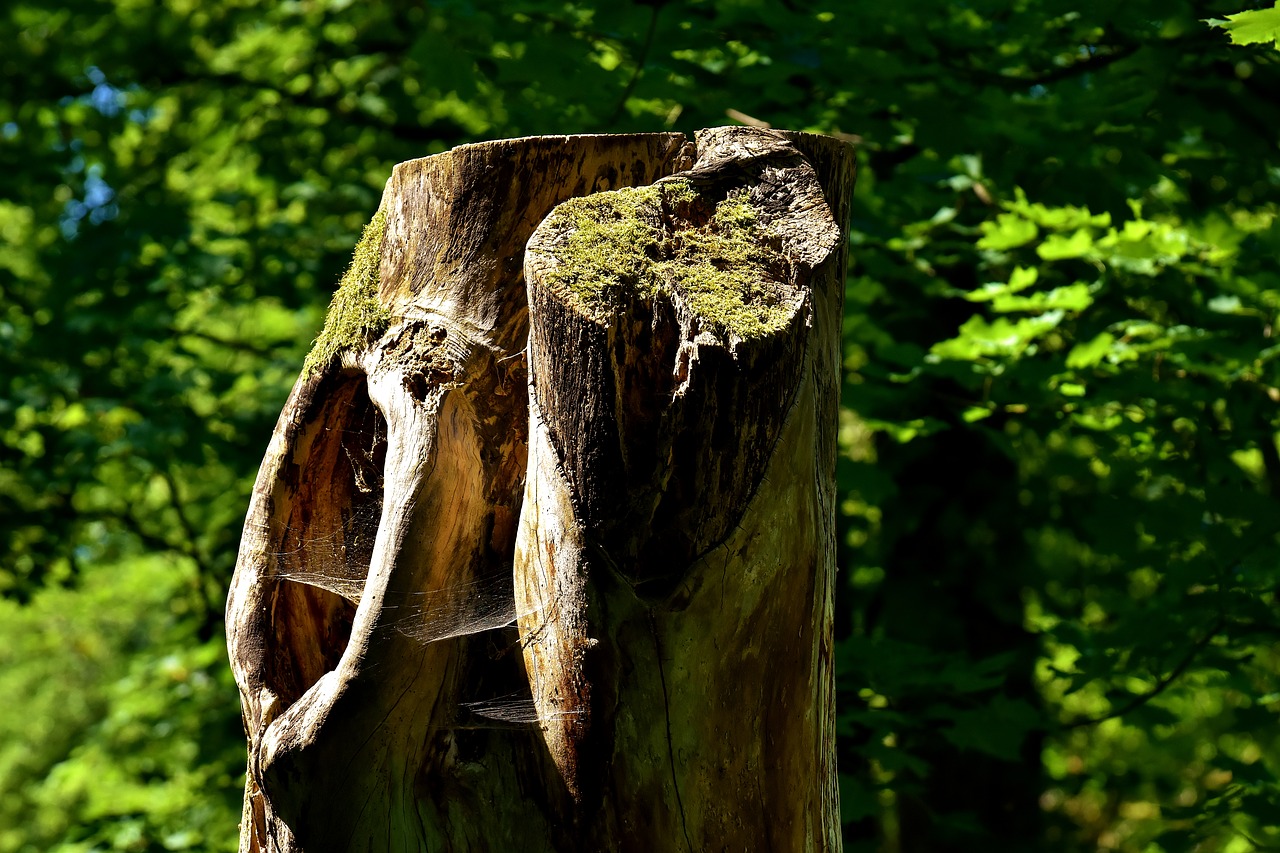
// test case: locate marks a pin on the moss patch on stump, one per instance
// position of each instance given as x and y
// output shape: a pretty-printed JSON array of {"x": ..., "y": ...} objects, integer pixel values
[
  {"x": 355, "y": 316},
  {"x": 659, "y": 239}
]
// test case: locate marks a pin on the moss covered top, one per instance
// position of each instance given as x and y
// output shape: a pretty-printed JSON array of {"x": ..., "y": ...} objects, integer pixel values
[
  {"x": 724, "y": 269},
  {"x": 355, "y": 315}
]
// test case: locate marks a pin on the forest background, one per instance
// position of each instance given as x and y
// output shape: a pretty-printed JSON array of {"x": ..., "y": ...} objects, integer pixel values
[{"x": 1059, "y": 475}]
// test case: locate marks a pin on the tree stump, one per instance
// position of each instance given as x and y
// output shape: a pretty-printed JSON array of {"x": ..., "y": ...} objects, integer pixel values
[{"x": 541, "y": 554}]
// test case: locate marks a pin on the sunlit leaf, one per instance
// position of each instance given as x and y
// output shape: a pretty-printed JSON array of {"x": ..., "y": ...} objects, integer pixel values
[
  {"x": 1255, "y": 27},
  {"x": 1089, "y": 353},
  {"x": 1058, "y": 246},
  {"x": 1008, "y": 231},
  {"x": 979, "y": 338},
  {"x": 1073, "y": 297}
]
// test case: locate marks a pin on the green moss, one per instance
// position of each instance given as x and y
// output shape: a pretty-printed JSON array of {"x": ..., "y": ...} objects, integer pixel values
[
  {"x": 724, "y": 270},
  {"x": 355, "y": 315},
  {"x": 612, "y": 240}
]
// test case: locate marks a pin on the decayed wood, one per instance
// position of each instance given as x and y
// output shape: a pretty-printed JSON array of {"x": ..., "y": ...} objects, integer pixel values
[
  {"x": 672, "y": 523},
  {"x": 672, "y": 574}
]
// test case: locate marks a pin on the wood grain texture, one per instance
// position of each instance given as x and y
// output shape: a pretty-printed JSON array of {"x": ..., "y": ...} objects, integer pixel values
[
  {"x": 694, "y": 668},
  {"x": 675, "y": 521}
]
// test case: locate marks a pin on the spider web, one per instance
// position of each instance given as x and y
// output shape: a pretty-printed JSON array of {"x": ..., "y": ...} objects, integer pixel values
[{"x": 336, "y": 558}]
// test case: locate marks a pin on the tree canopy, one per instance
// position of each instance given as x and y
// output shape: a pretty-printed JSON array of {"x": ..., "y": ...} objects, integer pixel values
[{"x": 1059, "y": 474}]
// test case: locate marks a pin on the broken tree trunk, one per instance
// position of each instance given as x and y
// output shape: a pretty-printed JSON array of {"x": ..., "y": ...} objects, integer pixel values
[{"x": 540, "y": 557}]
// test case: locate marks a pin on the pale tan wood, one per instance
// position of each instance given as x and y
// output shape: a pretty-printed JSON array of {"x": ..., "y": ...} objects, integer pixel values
[{"x": 406, "y": 455}]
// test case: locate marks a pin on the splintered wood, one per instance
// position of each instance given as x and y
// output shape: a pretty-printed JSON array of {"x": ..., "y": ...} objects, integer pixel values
[{"x": 541, "y": 554}]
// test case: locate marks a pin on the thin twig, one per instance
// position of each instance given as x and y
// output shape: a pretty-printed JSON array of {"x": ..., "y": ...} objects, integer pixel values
[
  {"x": 1257, "y": 845},
  {"x": 1163, "y": 684},
  {"x": 238, "y": 346},
  {"x": 639, "y": 69},
  {"x": 203, "y": 569},
  {"x": 742, "y": 118}
]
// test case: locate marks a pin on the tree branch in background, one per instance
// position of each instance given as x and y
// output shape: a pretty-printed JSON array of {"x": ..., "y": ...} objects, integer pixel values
[
  {"x": 245, "y": 347},
  {"x": 1161, "y": 686},
  {"x": 645, "y": 47}
]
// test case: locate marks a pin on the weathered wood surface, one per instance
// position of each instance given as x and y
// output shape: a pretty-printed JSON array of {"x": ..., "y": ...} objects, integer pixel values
[{"x": 650, "y": 562}]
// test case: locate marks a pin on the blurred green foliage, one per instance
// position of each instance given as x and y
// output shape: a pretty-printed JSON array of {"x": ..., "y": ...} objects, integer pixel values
[
  {"x": 122, "y": 731},
  {"x": 1059, "y": 472}
]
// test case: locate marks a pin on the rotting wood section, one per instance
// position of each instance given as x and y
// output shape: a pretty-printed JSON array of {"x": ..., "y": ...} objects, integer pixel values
[{"x": 653, "y": 594}]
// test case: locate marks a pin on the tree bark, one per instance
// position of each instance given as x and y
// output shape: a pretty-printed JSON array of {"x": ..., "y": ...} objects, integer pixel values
[{"x": 541, "y": 553}]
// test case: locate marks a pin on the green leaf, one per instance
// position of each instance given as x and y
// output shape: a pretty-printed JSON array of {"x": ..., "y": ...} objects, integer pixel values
[
  {"x": 1008, "y": 231},
  {"x": 1073, "y": 297},
  {"x": 905, "y": 431},
  {"x": 1226, "y": 304},
  {"x": 1090, "y": 353},
  {"x": 1064, "y": 218},
  {"x": 1058, "y": 247},
  {"x": 978, "y": 338},
  {"x": 997, "y": 729},
  {"x": 1257, "y": 27},
  {"x": 1020, "y": 279}
]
